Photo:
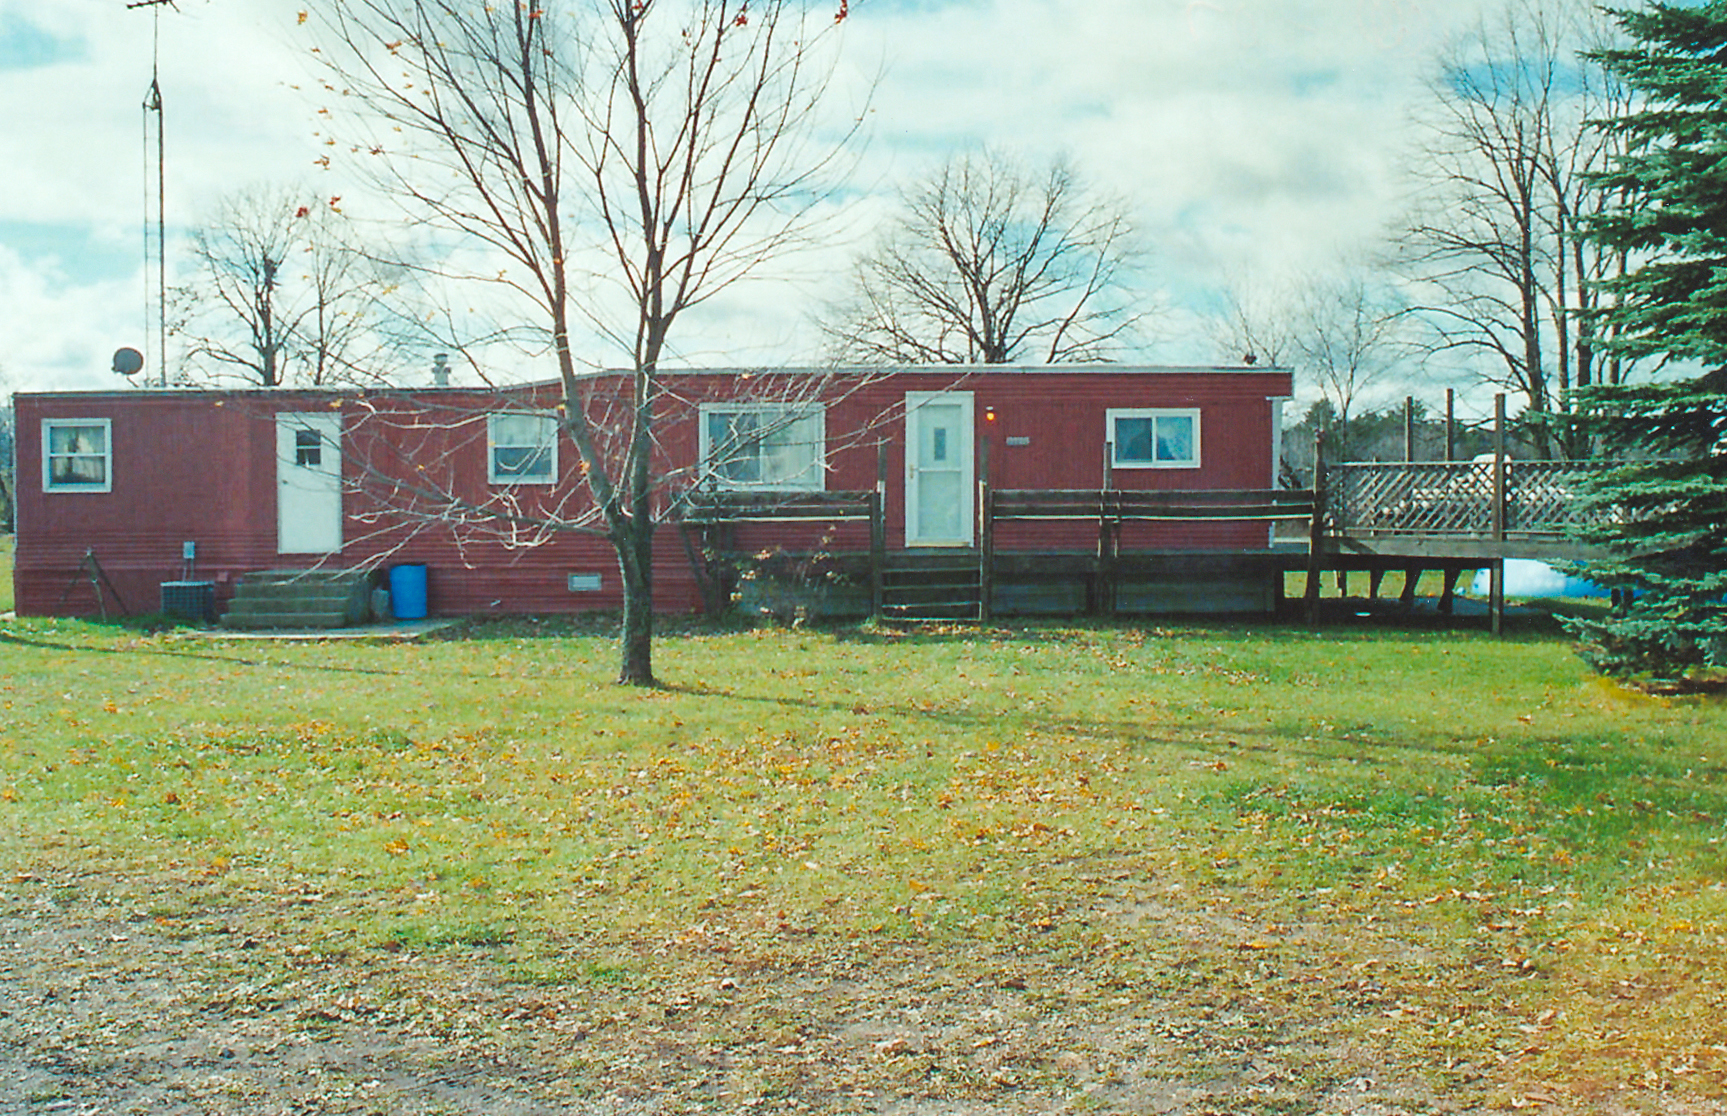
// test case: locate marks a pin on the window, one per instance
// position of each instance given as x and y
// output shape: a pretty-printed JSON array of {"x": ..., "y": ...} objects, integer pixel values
[
  {"x": 77, "y": 455},
  {"x": 764, "y": 445},
  {"x": 1147, "y": 439},
  {"x": 308, "y": 448},
  {"x": 522, "y": 449}
]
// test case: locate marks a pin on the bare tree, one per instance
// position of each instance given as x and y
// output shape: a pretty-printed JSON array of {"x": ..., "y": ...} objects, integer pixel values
[
  {"x": 1352, "y": 337},
  {"x": 612, "y": 163},
  {"x": 1349, "y": 333},
  {"x": 1506, "y": 182},
  {"x": 989, "y": 263},
  {"x": 1256, "y": 321},
  {"x": 281, "y": 293}
]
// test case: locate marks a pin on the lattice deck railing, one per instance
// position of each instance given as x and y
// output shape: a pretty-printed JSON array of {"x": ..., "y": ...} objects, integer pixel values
[{"x": 1542, "y": 498}]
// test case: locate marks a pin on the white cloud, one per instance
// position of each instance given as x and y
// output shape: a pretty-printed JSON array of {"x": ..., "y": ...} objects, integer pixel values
[
  {"x": 59, "y": 335},
  {"x": 1246, "y": 134}
]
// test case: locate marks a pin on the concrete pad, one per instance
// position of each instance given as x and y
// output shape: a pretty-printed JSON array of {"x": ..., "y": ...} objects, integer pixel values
[{"x": 383, "y": 629}]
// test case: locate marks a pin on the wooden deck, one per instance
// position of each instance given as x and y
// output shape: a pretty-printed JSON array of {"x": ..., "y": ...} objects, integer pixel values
[
  {"x": 1372, "y": 519},
  {"x": 1476, "y": 509}
]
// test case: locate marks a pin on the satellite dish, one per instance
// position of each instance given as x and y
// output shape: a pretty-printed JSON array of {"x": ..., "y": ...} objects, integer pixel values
[{"x": 128, "y": 362}]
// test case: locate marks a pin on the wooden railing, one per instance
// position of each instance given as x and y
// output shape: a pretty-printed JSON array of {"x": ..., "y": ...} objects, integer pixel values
[
  {"x": 1488, "y": 500},
  {"x": 709, "y": 510},
  {"x": 713, "y": 507},
  {"x": 1108, "y": 509},
  {"x": 1111, "y": 508},
  {"x": 1121, "y": 505},
  {"x": 1469, "y": 499}
]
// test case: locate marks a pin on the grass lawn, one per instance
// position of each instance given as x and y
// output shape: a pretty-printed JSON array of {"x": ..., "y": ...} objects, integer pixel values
[
  {"x": 1462, "y": 856},
  {"x": 6, "y": 543}
]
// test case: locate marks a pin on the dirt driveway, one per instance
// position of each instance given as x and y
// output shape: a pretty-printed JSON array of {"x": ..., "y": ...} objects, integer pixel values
[{"x": 106, "y": 1011}]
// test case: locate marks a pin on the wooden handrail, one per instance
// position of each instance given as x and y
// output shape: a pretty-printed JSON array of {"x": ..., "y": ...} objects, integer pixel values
[
  {"x": 1133, "y": 504},
  {"x": 742, "y": 506}
]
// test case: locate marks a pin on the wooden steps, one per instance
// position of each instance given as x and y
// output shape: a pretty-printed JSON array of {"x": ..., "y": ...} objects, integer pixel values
[
  {"x": 932, "y": 587},
  {"x": 300, "y": 599}
]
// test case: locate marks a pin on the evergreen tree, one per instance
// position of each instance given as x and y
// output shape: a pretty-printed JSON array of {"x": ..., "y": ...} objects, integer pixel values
[{"x": 1665, "y": 514}]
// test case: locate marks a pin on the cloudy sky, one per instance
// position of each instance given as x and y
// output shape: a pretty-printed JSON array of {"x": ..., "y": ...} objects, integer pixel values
[{"x": 1247, "y": 137}]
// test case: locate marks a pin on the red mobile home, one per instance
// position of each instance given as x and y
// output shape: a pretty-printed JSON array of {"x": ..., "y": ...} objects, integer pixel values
[{"x": 166, "y": 486}]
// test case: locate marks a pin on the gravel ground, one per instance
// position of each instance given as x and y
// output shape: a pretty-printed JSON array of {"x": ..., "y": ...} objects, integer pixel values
[{"x": 106, "y": 1011}]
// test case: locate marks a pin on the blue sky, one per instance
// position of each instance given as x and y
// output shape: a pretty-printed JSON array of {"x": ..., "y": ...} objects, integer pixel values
[
  {"x": 1247, "y": 137},
  {"x": 24, "y": 45}
]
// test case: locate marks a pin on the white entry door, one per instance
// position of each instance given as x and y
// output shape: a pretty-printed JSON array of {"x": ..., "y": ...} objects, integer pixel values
[
  {"x": 940, "y": 478},
  {"x": 308, "y": 483}
]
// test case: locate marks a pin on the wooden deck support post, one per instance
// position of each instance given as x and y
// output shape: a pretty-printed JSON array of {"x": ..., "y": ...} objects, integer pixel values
[
  {"x": 1411, "y": 582},
  {"x": 1448, "y": 595},
  {"x": 1316, "y": 529},
  {"x": 1496, "y": 590}
]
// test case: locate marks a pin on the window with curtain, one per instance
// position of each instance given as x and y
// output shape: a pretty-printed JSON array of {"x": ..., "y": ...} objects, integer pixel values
[
  {"x": 764, "y": 445},
  {"x": 522, "y": 449},
  {"x": 77, "y": 455}
]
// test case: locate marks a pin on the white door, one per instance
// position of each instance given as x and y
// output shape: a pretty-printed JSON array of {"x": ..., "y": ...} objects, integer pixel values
[
  {"x": 308, "y": 483},
  {"x": 940, "y": 480}
]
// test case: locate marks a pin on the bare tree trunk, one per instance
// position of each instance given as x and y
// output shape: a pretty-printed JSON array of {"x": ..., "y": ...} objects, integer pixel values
[
  {"x": 1534, "y": 368},
  {"x": 636, "y": 640}
]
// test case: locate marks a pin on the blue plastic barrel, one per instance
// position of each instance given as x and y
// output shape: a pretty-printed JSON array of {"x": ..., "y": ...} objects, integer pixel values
[{"x": 408, "y": 591}]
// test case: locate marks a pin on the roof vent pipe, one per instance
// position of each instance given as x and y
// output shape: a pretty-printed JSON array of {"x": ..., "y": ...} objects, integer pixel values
[{"x": 441, "y": 370}]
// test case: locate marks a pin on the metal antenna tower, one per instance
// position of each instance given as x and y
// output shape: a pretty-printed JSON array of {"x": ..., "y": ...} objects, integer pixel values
[{"x": 153, "y": 104}]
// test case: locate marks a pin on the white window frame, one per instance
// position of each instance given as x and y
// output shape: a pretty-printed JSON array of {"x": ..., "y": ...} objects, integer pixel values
[
  {"x": 1154, "y": 413},
  {"x": 49, "y": 484},
  {"x": 805, "y": 423},
  {"x": 494, "y": 475}
]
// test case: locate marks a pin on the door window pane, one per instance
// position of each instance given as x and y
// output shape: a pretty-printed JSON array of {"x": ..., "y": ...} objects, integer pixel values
[{"x": 308, "y": 448}]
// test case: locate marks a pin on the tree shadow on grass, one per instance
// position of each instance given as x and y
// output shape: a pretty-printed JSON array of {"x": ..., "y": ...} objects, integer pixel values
[
  {"x": 1208, "y": 740},
  {"x": 201, "y": 656}
]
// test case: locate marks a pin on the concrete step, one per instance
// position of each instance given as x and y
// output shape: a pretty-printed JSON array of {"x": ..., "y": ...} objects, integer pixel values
[
  {"x": 288, "y": 593},
  {"x": 304, "y": 577},
  {"x": 300, "y": 599},
  {"x": 233, "y": 619}
]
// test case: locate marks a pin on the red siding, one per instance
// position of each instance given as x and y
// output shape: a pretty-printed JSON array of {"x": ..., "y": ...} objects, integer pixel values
[{"x": 200, "y": 466}]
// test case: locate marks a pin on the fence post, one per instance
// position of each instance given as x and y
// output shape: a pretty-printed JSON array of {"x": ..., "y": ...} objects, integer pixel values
[
  {"x": 1496, "y": 575},
  {"x": 1316, "y": 528},
  {"x": 1408, "y": 429},
  {"x": 1450, "y": 424},
  {"x": 1105, "y": 575},
  {"x": 985, "y": 534},
  {"x": 878, "y": 533}
]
